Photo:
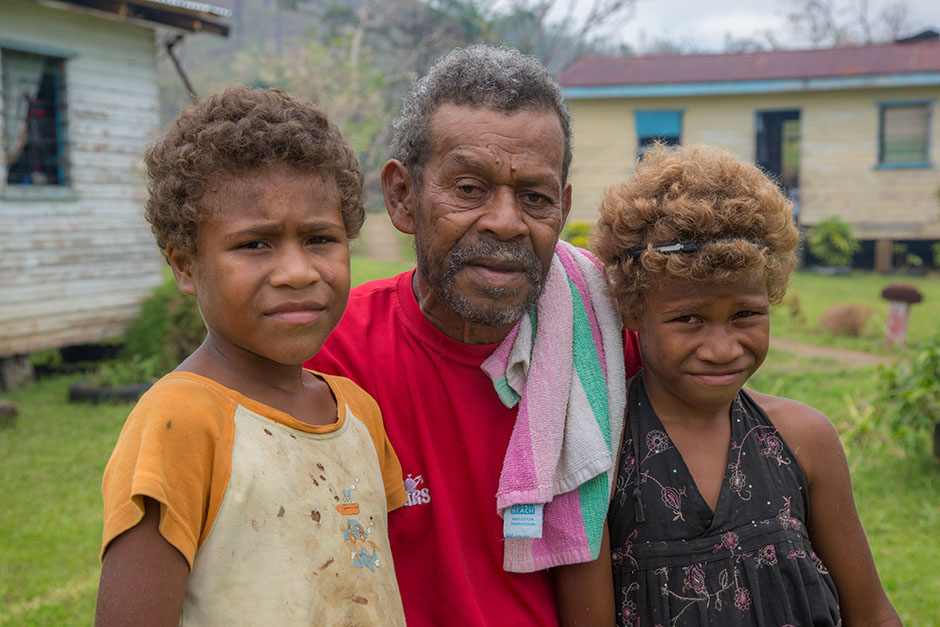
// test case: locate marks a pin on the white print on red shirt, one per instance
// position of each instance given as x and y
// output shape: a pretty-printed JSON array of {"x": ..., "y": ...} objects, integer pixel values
[{"x": 416, "y": 496}]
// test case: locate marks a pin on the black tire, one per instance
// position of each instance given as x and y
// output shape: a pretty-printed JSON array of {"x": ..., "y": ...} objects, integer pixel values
[{"x": 85, "y": 392}]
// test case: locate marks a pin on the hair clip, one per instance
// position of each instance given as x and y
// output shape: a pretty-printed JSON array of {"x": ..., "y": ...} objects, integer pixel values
[{"x": 681, "y": 247}]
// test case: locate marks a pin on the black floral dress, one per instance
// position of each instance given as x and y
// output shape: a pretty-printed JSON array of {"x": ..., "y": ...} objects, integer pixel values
[{"x": 747, "y": 563}]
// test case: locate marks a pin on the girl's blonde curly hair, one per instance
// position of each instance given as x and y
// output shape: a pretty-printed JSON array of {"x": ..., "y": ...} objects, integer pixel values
[{"x": 694, "y": 194}]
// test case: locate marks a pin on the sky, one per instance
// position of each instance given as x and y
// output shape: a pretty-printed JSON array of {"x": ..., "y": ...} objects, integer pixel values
[{"x": 701, "y": 25}]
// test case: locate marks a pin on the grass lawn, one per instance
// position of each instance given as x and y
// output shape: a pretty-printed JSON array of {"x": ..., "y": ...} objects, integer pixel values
[
  {"x": 817, "y": 293},
  {"x": 52, "y": 458}
]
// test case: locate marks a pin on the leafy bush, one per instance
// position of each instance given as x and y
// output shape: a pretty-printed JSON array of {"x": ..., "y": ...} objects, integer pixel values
[
  {"x": 833, "y": 242},
  {"x": 49, "y": 359},
  {"x": 577, "y": 233},
  {"x": 846, "y": 319},
  {"x": 909, "y": 402},
  {"x": 168, "y": 329},
  {"x": 935, "y": 251},
  {"x": 122, "y": 372},
  {"x": 905, "y": 259}
]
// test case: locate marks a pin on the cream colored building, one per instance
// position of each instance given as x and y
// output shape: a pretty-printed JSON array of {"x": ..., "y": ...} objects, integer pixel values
[{"x": 850, "y": 132}]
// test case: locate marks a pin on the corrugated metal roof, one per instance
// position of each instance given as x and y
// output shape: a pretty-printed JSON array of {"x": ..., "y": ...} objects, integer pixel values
[
  {"x": 182, "y": 14},
  {"x": 199, "y": 7},
  {"x": 894, "y": 58}
]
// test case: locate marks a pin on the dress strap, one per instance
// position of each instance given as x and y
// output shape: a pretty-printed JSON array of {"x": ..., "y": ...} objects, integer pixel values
[{"x": 639, "y": 513}]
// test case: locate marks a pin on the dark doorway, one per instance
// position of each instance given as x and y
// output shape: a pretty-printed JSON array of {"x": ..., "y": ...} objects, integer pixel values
[{"x": 778, "y": 149}]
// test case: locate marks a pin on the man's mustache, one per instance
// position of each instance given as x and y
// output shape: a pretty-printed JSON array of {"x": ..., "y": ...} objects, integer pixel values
[{"x": 461, "y": 255}]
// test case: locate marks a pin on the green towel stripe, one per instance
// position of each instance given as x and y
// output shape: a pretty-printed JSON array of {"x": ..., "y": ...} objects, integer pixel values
[
  {"x": 587, "y": 364},
  {"x": 593, "y": 495},
  {"x": 534, "y": 319},
  {"x": 507, "y": 395}
]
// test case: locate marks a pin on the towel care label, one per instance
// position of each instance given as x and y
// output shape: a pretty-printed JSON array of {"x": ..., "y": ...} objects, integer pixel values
[{"x": 523, "y": 521}]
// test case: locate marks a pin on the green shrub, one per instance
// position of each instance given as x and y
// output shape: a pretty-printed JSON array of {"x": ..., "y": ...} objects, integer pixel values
[
  {"x": 905, "y": 259},
  {"x": 833, "y": 242},
  {"x": 909, "y": 401},
  {"x": 577, "y": 233},
  {"x": 935, "y": 251},
  {"x": 122, "y": 372},
  {"x": 168, "y": 329},
  {"x": 50, "y": 358}
]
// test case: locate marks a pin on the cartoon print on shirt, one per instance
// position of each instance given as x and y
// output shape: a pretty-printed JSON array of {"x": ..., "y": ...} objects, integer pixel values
[
  {"x": 362, "y": 559},
  {"x": 355, "y": 533},
  {"x": 348, "y": 507}
]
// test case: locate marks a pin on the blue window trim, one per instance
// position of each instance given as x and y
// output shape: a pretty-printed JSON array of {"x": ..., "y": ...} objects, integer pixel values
[
  {"x": 905, "y": 165},
  {"x": 679, "y": 113},
  {"x": 34, "y": 48},
  {"x": 906, "y": 103},
  {"x": 928, "y": 104}
]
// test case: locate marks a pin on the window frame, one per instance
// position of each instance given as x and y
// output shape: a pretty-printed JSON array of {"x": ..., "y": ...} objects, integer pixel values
[
  {"x": 928, "y": 105},
  {"x": 643, "y": 142},
  {"x": 63, "y": 186}
]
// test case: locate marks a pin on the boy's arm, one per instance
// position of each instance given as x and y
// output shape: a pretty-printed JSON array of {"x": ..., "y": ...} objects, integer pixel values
[
  {"x": 585, "y": 592},
  {"x": 833, "y": 523},
  {"x": 143, "y": 577}
]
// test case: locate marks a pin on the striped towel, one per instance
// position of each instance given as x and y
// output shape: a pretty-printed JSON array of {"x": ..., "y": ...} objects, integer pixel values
[{"x": 563, "y": 365}]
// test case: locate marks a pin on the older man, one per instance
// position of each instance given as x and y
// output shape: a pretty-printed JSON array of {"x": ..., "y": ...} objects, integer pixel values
[{"x": 482, "y": 150}]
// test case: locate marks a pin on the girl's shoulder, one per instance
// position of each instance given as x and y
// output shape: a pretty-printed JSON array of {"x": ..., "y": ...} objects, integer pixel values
[{"x": 807, "y": 431}]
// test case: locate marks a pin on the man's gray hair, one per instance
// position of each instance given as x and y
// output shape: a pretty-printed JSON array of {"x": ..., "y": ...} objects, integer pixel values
[{"x": 479, "y": 76}]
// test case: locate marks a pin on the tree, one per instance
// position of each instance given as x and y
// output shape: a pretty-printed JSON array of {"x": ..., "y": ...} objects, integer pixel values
[
  {"x": 356, "y": 57},
  {"x": 824, "y": 23},
  {"x": 341, "y": 77},
  {"x": 559, "y": 31}
]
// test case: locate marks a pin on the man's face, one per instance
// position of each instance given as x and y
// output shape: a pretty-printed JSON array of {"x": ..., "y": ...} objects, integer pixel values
[{"x": 486, "y": 218}]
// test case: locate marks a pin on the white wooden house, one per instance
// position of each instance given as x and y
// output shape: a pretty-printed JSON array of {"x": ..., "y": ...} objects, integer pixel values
[{"x": 78, "y": 105}]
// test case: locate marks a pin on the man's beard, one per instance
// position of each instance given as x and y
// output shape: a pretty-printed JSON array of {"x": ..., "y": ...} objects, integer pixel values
[{"x": 494, "y": 311}]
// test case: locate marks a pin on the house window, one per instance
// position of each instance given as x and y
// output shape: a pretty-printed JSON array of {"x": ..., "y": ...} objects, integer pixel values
[
  {"x": 33, "y": 118},
  {"x": 904, "y": 129},
  {"x": 657, "y": 126}
]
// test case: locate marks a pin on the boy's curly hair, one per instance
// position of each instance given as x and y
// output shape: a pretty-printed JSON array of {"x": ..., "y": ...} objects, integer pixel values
[
  {"x": 695, "y": 194},
  {"x": 237, "y": 130}
]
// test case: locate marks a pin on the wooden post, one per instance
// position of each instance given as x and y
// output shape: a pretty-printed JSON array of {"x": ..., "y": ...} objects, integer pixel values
[
  {"x": 936, "y": 440},
  {"x": 884, "y": 251}
]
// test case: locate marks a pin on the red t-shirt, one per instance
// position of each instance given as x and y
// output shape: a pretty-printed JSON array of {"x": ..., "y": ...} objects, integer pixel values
[{"x": 450, "y": 432}]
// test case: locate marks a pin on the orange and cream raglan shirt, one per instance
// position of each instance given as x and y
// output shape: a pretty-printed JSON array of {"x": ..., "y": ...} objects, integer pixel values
[{"x": 281, "y": 522}]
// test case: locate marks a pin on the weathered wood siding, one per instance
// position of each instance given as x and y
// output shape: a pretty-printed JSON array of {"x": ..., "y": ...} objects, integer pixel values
[
  {"x": 839, "y": 153},
  {"x": 75, "y": 262}
]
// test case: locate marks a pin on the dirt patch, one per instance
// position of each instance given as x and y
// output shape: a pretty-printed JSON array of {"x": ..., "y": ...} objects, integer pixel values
[{"x": 842, "y": 355}]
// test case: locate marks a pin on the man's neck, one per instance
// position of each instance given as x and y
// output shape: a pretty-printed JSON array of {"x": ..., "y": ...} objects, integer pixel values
[{"x": 449, "y": 322}]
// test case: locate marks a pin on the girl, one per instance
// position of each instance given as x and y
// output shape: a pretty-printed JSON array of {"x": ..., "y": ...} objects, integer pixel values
[{"x": 731, "y": 507}]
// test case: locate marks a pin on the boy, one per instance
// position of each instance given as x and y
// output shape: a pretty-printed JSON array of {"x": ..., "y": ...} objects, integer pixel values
[{"x": 245, "y": 489}]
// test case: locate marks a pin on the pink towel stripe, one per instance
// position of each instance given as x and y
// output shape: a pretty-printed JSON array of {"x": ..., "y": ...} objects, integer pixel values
[
  {"x": 505, "y": 348},
  {"x": 567, "y": 531},
  {"x": 576, "y": 277}
]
